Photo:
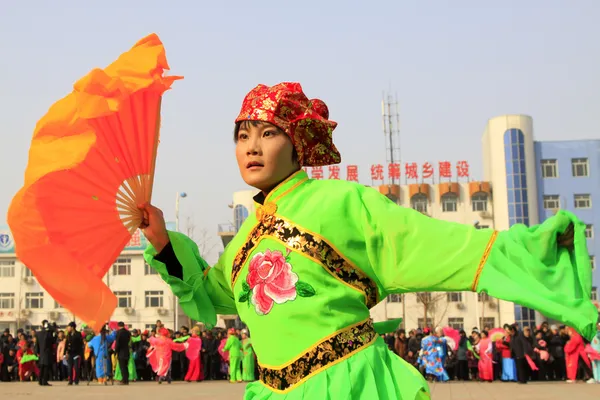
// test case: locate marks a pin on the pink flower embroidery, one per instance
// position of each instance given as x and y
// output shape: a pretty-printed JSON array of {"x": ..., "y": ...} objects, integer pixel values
[{"x": 271, "y": 280}]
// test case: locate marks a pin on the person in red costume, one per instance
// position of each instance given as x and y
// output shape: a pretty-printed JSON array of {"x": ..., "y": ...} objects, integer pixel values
[
  {"x": 575, "y": 353},
  {"x": 27, "y": 365},
  {"x": 194, "y": 373}
]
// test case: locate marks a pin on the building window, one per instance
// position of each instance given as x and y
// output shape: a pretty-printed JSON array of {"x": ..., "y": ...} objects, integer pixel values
[
  {"x": 549, "y": 169},
  {"x": 524, "y": 316},
  {"x": 423, "y": 297},
  {"x": 149, "y": 327},
  {"x": 122, "y": 266},
  {"x": 516, "y": 177},
  {"x": 240, "y": 213},
  {"x": 551, "y": 202},
  {"x": 583, "y": 201},
  {"x": 487, "y": 323},
  {"x": 7, "y": 301},
  {"x": 57, "y": 305},
  {"x": 449, "y": 202},
  {"x": 589, "y": 231},
  {"x": 483, "y": 297},
  {"x": 421, "y": 323},
  {"x": 454, "y": 297},
  {"x": 594, "y": 296},
  {"x": 34, "y": 300},
  {"x": 456, "y": 323},
  {"x": 593, "y": 262},
  {"x": 28, "y": 272},
  {"x": 579, "y": 166},
  {"x": 123, "y": 299},
  {"x": 154, "y": 298},
  {"x": 479, "y": 202},
  {"x": 7, "y": 269},
  {"x": 394, "y": 298},
  {"x": 419, "y": 202},
  {"x": 148, "y": 270}
]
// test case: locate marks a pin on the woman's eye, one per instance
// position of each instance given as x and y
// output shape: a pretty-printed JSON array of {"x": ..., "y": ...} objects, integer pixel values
[
  {"x": 242, "y": 136},
  {"x": 270, "y": 133}
]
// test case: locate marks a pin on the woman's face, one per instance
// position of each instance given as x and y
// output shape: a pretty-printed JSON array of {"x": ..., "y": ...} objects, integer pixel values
[{"x": 264, "y": 155}]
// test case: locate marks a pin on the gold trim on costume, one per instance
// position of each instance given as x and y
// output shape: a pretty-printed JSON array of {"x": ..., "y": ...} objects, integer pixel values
[
  {"x": 309, "y": 245},
  {"x": 484, "y": 258},
  {"x": 335, "y": 348}
]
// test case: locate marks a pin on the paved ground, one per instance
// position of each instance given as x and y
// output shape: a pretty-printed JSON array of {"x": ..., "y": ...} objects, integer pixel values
[{"x": 227, "y": 391}]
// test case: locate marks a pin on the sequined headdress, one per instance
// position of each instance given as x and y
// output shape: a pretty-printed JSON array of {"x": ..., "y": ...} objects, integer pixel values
[{"x": 305, "y": 121}]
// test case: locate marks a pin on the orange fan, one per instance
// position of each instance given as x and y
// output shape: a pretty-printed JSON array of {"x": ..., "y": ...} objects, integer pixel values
[{"x": 91, "y": 162}]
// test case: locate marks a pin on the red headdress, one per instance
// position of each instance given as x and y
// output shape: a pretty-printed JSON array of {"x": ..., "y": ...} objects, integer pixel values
[
  {"x": 305, "y": 121},
  {"x": 163, "y": 332}
]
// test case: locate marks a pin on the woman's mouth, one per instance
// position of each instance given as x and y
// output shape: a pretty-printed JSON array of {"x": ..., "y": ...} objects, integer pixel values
[{"x": 254, "y": 165}]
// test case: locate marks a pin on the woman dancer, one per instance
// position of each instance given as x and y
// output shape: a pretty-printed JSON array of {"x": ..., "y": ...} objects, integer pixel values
[{"x": 317, "y": 255}]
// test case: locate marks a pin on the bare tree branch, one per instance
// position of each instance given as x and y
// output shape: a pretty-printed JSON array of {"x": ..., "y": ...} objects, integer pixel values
[
  {"x": 204, "y": 240},
  {"x": 435, "y": 307}
]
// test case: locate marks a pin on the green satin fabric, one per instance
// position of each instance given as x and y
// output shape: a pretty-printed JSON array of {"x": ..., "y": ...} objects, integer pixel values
[{"x": 527, "y": 267}]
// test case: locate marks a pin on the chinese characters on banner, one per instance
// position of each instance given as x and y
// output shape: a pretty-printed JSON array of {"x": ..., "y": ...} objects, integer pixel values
[
  {"x": 393, "y": 171},
  {"x": 136, "y": 239}
]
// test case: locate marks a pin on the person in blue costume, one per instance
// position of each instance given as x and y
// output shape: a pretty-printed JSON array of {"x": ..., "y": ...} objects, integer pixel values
[{"x": 100, "y": 344}]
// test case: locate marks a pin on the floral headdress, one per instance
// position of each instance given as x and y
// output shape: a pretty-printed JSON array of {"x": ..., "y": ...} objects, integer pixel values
[{"x": 305, "y": 121}]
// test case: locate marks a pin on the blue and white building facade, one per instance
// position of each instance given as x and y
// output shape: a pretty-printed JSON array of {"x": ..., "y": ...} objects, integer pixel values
[
  {"x": 568, "y": 175},
  {"x": 531, "y": 180}
]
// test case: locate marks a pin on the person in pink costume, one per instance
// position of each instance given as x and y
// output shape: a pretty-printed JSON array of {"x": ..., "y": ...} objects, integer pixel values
[
  {"x": 159, "y": 355},
  {"x": 485, "y": 366},
  {"x": 194, "y": 343}
]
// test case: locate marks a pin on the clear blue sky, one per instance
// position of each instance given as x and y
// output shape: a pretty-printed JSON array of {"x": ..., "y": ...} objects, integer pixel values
[{"x": 453, "y": 64}]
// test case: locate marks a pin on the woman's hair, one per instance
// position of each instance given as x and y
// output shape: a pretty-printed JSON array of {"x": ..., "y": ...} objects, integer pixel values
[{"x": 246, "y": 124}]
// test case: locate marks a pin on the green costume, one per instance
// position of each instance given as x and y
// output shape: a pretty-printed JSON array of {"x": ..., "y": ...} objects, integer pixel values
[
  {"x": 247, "y": 360},
  {"x": 234, "y": 347},
  {"x": 305, "y": 269}
]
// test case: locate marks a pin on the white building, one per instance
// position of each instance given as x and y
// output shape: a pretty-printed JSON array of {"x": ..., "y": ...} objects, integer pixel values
[
  {"x": 142, "y": 295},
  {"x": 510, "y": 167}
]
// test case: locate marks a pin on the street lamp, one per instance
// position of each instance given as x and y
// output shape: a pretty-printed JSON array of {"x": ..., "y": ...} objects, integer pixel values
[{"x": 180, "y": 195}]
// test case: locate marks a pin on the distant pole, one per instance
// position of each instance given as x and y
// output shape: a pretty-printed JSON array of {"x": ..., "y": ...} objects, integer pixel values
[{"x": 180, "y": 195}]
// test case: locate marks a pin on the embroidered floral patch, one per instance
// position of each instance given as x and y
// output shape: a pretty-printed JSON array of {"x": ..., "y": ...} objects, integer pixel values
[{"x": 271, "y": 280}]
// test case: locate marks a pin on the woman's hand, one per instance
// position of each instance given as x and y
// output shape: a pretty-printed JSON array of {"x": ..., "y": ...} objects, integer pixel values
[
  {"x": 566, "y": 238},
  {"x": 154, "y": 227}
]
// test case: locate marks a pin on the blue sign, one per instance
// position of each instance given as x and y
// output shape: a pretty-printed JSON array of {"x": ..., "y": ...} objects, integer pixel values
[{"x": 7, "y": 244}]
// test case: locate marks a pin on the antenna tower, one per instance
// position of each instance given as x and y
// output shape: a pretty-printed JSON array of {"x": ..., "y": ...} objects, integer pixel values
[{"x": 391, "y": 130}]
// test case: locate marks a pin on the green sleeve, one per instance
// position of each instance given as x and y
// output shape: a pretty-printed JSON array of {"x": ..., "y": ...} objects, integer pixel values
[
  {"x": 228, "y": 343},
  {"x": 204, "y": 292},
  {"x": 526, "y": 266},
  {"x": 411, "y": 252},
  {"x": 135, "y": 339}
]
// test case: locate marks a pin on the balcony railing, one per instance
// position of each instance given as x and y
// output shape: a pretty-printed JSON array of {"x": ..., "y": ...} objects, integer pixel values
[{"x": 226, "y": 229}]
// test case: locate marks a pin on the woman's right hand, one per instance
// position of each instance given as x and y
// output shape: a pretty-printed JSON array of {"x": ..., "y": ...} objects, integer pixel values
[{"x": 154, "y": 227}]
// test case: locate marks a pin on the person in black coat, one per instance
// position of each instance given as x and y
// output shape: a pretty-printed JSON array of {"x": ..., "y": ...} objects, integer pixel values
[
  {"x": 43, "y": 347},
  {"x": 74, "y": 352},
  {"x": 122, "y": 351},
  {"x": 520, "y": 347}
]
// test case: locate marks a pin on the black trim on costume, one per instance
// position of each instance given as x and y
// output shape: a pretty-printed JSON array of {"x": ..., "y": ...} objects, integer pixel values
[{"x": 167, "y": 256}]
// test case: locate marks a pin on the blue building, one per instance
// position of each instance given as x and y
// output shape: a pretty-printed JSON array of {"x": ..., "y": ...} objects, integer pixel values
[{"x": 568, "y": 177}]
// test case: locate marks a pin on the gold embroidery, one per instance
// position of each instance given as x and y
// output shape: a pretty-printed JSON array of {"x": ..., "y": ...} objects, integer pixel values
[
  {"x": 311, "y": 246},
  {"x": 484, "y": 258},
  {"x": 325, "y": 354}
]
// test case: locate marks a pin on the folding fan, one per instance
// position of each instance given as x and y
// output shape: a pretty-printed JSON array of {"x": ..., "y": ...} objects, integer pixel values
[
  {"x": 496, "y": 334},
  {"x": 91, "y": 162}
]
